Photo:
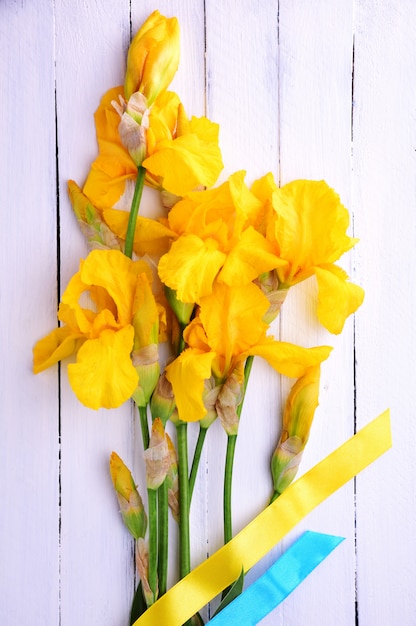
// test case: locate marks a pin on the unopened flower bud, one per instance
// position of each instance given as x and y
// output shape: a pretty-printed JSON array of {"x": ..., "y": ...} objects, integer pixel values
[
  {"x": 146, "y": 362},
  {"x": 285, "y": 462},
  {"x": 157, "y": 456},
  {"x": 142, "y": 563},
  {"x": 153, "y": 57},
  {"x": 133, "y": 138},
  {"x": 210, "y": 397},
  {"x": 172, "y": 480},
  {"x": 131, "y": 505},
  {"x": 269, "y": 284},
  {"x": 297, "y": 421},
  {"x": 229, "y": 397},
  {"x": 91, "y": 222},
  {"x": 162, "y": 402}
]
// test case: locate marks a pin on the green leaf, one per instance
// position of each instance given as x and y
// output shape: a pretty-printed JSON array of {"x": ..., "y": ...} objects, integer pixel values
[
  {"x": 138, "y": 606},
  {"x": 234, "y": 591}
]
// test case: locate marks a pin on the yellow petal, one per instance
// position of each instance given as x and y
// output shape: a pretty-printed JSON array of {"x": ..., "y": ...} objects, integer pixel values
[
  {"x": 264, "y": 187},
  {"x": 117, "y": 274},
  {"x": 250, "y": 257},
  {"x": 301, "y": 405},
  {"x": 83, "y": 208},
  {"x": 150, "y": 237},
  {"x": 289, "y": 359},
  {"x": 145, "y": 314},
  {"x": 70, "y": 310},
  {"x": 190, "y": 267},
  {"x": 195, "y": 335},
  {"x": 107, "y": 121},
  {"x": 186, "y": 375},
  {"x": 311, "y": 225},
  {"x": 103, "y": 187},
  {"x": 59, "y": 344},
  {"x": 184, "y": 163},
  {"x": 246, "y": 204},
  {"x": 337, "y": 298},
  {"x": 114, "y": 166},
  {"x": 163, "y": 120},
  {"x": 103, "y": 375},
  {"x": 233, "y": 319}
]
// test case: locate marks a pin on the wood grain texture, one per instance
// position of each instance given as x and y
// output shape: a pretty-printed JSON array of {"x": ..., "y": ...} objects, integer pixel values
[
  {"x": 384, "y": 161},
  {"x": 315, "y": 81},
  {"x": 97, "y": 569},
  {"x": 29, "y": 518},
  {"x": 304, "y": 90}
]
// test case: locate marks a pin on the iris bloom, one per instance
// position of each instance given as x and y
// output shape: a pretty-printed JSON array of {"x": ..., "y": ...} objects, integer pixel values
[
  {"x": 215, "y": 240},
  {"x": 306, "y": 224},
  {"x": 297, "y": 421},
  {"x": 229, "y": 327},
  {"x": 157, "y": 456},
  {"x": 103, "y": 337},
  {"x": 181, "y": 155}
]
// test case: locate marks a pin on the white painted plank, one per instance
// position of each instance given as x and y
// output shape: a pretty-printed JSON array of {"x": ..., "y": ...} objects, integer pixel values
[
  {"x": 384, "y": 161},
  {"x": 29, "y": 545},
  {"x": 96, "y": 552}
]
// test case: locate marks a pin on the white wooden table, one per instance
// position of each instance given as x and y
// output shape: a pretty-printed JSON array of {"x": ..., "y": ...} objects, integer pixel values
[{"x": 306, "y": 89}]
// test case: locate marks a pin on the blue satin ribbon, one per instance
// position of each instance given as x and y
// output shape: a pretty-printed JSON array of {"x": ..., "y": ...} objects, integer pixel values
[{"x": 278, "y": 582}]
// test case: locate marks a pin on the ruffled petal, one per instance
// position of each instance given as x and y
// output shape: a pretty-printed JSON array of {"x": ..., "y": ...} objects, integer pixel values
[
  {"x": 250, "y": 257},
  {"x": 114, "y": 166},
  {"x": 70, "y": 310},
  {"x": 311, "y": 226},
  {"x": 103, "y": 375},
  {"x": 190, "y": 267},
  {"x": 115, "y": 272},
  {"x": 233, "y": 319},
  {"x": 186, "y": 375},
  {"x": 59, "y": 344},
  {"x": 184, "y": 163},
  {"x": 289, "y": 359},
  {"x": 337, "y": 297},
  {"x": 150, "y": 237}
]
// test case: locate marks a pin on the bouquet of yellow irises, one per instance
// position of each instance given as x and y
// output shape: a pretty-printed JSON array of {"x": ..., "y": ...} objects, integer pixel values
[{"x": 207, "y": 279}]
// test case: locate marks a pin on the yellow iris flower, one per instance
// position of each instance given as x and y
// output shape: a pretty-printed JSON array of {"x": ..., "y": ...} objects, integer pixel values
[
  {"x": 215, "y": 239},
  {"x": 228, "y": 328},
  {"x": 306, "y": 224},
  {"x": 103, "y": 338},
  {"x": 181, "y": 155}
]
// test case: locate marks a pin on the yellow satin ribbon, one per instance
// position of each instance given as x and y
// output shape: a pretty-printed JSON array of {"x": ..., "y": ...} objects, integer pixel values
[{"x": 221, "y": 569}]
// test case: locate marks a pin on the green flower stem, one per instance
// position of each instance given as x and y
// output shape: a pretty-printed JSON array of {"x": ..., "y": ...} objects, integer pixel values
[
  {"x": 184, "y": 538},
  {"x": 152, "y": 573},
  {"x": 274, "y": 497},
  {"x": 144, "y": 426},
  {"x": 229, "y": 462},
  {"x": 197, "y": 456},
  {"x": 162, "y": 511},
  {"x": 134, "y": 211},
  {"x": 228, "y": 477}
]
